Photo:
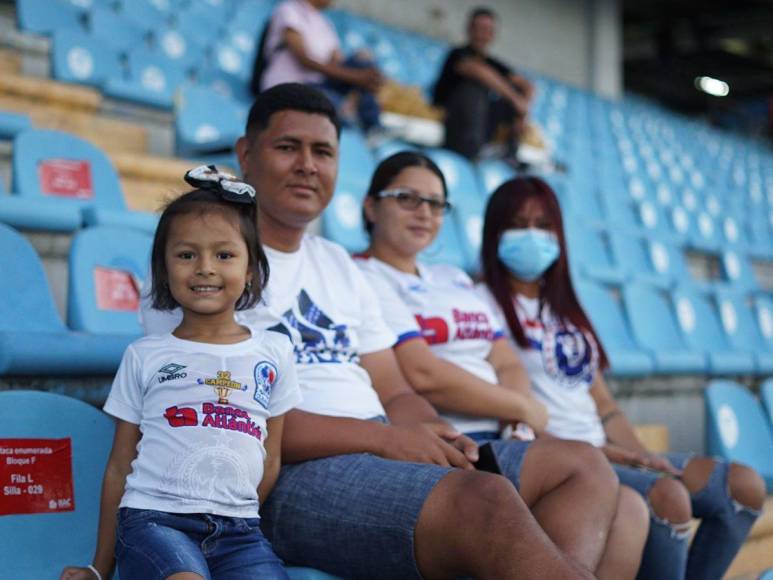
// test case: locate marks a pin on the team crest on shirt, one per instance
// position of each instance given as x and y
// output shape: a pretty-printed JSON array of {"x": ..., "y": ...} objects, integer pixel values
[
  {"x": 223, "y": 385},
  {"x": 570, "y": 356},
  {"x": 265, "y": 377}
]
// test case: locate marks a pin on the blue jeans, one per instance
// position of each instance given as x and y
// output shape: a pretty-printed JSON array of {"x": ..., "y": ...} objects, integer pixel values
[
  {"x": 152, "y": 544},
  {"x": 368, "y": 109},
  {"x": 510, "y": 453},
  {"x": 723, "y": 529}
]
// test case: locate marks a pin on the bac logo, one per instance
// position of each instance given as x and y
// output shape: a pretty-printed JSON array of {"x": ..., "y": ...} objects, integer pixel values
[{"x": 185, "y": 417}]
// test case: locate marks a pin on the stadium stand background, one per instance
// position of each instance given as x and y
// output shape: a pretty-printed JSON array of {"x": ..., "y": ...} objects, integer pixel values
[{"x": 670, "y": 221}]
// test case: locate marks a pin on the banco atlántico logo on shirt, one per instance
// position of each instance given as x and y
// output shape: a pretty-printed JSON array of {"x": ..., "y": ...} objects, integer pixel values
[
  {"x": 170, "y": 372},
  {"x": 315, "y": 336}
]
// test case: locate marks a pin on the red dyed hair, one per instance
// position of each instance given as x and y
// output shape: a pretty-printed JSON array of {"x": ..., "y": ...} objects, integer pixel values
[{"x": 556, "y": 287}]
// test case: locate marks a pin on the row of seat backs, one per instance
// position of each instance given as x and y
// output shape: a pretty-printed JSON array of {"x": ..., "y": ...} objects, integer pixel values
[
  {"x": 106, "y": 265},
  {"x": 32, "y": 416},
  {"x": 61, "y": 183},
  {"x": 646, "y": 329},
  {"x": 739, "y": 427}
]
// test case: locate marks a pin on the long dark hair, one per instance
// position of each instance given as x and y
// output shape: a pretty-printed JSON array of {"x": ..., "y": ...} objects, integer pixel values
[
  {"x": 201, "y": 202},
  {"x": 557, "y": 289},
  {"x": 391, "y": 167}
]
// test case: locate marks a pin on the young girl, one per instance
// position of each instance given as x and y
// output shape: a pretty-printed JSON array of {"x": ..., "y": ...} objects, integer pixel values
[
  {"x": 526, "y": 279},
  {"x": 198, "y": 411}
]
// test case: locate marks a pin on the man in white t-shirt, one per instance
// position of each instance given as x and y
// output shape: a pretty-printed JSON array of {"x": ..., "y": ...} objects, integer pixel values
[
  {"x": 301, "y": 46},
  {"x": 374, "y": 486}
]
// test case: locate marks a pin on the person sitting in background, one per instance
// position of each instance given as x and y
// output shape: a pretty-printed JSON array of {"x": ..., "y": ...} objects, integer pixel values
[
  {"x": 479, "y": 93},
  {"x": 526, "y": 280},
  {"x": 452, "y": 353},
  {"x": 301, "y": 46}
]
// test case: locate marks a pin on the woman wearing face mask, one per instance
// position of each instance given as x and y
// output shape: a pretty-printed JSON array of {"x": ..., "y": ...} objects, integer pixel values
[
  {"x": 453, "y": 353},
  {"x": 526, "y": 280}
]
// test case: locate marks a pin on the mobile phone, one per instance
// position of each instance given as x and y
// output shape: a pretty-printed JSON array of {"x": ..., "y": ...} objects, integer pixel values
[{"x": 487, "y": 460}]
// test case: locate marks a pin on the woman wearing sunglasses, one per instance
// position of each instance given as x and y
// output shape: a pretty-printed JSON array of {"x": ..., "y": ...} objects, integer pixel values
[
  {"x": 526, "y": 280},
  {"x": 453, "y": 353}
]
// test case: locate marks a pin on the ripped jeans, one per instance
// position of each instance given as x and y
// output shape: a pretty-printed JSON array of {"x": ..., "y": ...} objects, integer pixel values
[{"x": 723, "y": 529}]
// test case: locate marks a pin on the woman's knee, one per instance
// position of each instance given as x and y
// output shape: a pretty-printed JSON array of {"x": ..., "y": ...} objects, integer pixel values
[
  {"x": 746, "y": 486},
  {"x": 670, "y": 501},
  {"x": 591, "y": 463},
  {"x": 632, "y": 510}
]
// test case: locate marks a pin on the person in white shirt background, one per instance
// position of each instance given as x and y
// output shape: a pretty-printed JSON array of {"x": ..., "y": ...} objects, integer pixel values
[
  {"x": 199, "y": 411},
  {"x": 453, "y": 352},
  {"x": 527, "y": 282},
  {"x": 375, "y": 484}
]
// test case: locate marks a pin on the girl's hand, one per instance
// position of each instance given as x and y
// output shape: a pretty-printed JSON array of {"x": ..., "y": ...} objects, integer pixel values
[
  {"x": 660, "y": 463},
  {"x": 78, "y": 573},
  {"x": 535, "y": 415}
]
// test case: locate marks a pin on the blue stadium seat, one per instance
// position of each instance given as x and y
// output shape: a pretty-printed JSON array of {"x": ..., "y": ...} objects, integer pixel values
[
  {"x": 737, "y": 271},
  {"x": 766, "y": 395},
  {"x": 46, "y": 16},
  {"x": 763, "y": 309},
  {"x": 152, "y": 80},
  {"x": 606, "y": 313},
  {"x": 702, "y": 331},
  {"x": 144, "y": 14},
  {"x": 41, "y": 415},
  {"x": 187, "y": 53},
  {"x": 590, "y": 254},
  {"x": 741, "y": 329},
  {"x": 33, "y": 339},
  {"x": 447, "y": 247},
  {"x": 206, "y": 121},
  {"x": 492, "y": 173},
  {"x": 635, "y": 256},
  {"x": 654, "y": 327},
  {"x": 469, "y": 203},
  {"x": 737, "y": 429},
  {"x": 59, "y": 170},
  {"x": 78, "y": 57},
  {"x": 13, "y": 123},
  {"x": 119, "y": 33},
  {"x": 767, "y": 575},
  {"x": 107, "y": 265}
]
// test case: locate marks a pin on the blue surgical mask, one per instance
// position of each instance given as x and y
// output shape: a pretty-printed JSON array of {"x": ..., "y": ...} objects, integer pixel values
[{"x": 527, "y": 253}]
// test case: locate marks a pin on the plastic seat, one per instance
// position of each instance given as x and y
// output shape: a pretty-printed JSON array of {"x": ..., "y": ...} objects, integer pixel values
[
  {"x": 119, "y": 33},
  {"x": 12, "y": 124},
  {"x": 177, "y": 48},
  {"x": 30, "y": 416},
  {"x": 78, "y": 57},
  {"x": 742, "y": 330},
  {"x": 107, "y": 266},
  {"x": 702, "y": 331},
  {"x": 737, "y": 429},
  {"x": 57, "y": 170},
  {"x": 33, "y": 339},
  {"x": 491, "y": 174},
  {"x": 144, "y": 14},
  {"x": 590, "y": 254},
  {"x": 469, "y": 203},
  {"x": 47, "y": 16},
  {"x": 737, "y": 272},
  {"x": 635, "y": 256},
  {"x": 655, "y": 328},
  {"x": 152, "y": 80},
  {"x": 206, "y": 121},
  {"x": 763, "y": 309},
  {"x": 606, "y": 312}
]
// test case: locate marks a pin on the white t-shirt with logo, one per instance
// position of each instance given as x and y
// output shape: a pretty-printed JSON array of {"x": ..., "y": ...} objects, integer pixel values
[
  {"x": 562, "y": 362},
  {"x": 440, "y": 305},
  {"x": 320, "y": 42},
  {"x": 321, "y": 301},
  {"x": 202, "y": 411}
]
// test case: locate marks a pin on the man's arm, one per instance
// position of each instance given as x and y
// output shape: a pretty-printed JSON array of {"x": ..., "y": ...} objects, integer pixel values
[
  {"x": 477, "y": 69},
  {"x": 368, "y": 78},
  {"x": 417, "y": 433}
]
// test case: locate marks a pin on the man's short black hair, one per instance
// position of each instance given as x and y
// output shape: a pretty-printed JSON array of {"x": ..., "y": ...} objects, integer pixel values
[
  {"x": 289, "y": 97},
  {"x": 482, "y": 11}
]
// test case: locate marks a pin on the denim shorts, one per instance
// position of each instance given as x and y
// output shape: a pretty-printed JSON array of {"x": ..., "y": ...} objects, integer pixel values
[
  {"x": 350, "y": 515},
  {"x": 642, "y": 479},
  {"x": 152, "y": 544}
]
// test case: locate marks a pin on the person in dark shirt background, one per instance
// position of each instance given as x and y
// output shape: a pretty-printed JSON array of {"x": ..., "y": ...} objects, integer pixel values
[{"x": 479, "y": 92}]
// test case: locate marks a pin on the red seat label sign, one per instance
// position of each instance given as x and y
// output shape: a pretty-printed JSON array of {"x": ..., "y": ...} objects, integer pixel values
[
  {"x": 66, "y": 178},
  {"x": 116, "y": 290},
  {"x": 36, "y": 476}
]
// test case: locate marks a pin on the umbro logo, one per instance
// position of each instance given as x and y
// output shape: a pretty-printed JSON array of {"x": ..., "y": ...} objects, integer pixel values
[{"x": 172, "y": 371}]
